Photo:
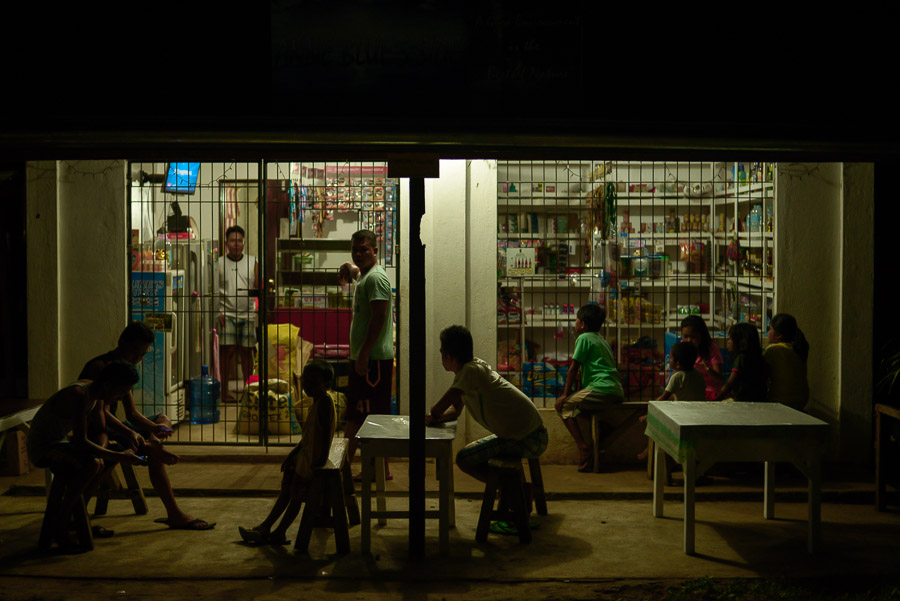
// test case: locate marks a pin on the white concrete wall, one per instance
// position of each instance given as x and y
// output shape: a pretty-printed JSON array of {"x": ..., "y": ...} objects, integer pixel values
[
  {"x": 857, "y": 316},
  {"x": 42, "y": 273},
  {"x": 825, "y": 269},
  {"x": 77, "y": 267}
]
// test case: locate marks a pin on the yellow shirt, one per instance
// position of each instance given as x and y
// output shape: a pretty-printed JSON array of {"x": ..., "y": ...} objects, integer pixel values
[{"x": 787, "y": 376}]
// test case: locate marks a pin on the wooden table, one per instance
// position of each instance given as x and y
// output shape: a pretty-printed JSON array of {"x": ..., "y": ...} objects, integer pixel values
[
  {"x": 700, "y": 434},
  {"x": 388, "y": 436}
]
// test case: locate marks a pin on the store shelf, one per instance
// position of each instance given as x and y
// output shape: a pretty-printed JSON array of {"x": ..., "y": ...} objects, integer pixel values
[
  {"x": 675, "y": 237},
  {"x": 504, "y": 204},
  {"x": 550, "y": 322},
  {"x": 542, "y": 282},
  {"x": 669, "y": 281},
  {"x": 745, "y": 284},
  {"x": 748, "y": 240},
  {"x": 539, "y": 236}
]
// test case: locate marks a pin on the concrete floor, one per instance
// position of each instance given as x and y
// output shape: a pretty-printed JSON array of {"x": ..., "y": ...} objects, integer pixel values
[{"x": 600, "y": 530}]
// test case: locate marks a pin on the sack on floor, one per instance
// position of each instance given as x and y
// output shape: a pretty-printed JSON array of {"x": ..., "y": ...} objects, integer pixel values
[{"x": 280, "y": 407}]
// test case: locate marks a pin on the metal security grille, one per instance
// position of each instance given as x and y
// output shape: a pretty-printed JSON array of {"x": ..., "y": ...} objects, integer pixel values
[
  {"x": 652, "y": 242},
  {"x": 234, "y": 267}
]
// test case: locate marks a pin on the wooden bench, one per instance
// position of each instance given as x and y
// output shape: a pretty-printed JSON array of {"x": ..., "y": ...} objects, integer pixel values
[
  {"x": 507, "y": 476},
  {"x": 112, "y": 488},
  {"x": 79, "y": 517},
  {"x": 331, "y": 502},
  {"x": 600, "y": 439},
  {"x": 883, "y": 416}
]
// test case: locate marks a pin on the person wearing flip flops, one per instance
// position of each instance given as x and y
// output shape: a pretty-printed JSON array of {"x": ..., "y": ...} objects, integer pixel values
[
  {"x": 502, "y": 409},
  {"x": 76, "y": 458},
  {"x": 312, "y": 451},
  {"x": 142, "y": 434},
  {"x": 600, "y": 384}
]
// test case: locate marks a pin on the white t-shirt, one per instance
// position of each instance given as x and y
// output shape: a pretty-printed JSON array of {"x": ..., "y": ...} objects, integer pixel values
[
  {"x": 495, "y": 403},
  {"x": 687, "y": 386},
  {"x": 235, "y": 279}
]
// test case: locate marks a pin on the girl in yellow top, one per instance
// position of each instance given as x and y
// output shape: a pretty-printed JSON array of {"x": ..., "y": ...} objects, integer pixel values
[{"x": 785, "y": 359}]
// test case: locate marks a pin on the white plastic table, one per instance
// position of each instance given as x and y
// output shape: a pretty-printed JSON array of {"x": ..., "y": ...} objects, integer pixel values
[
  {"x": 388, "y": 436},
  {"x": 700, "y": 434}
]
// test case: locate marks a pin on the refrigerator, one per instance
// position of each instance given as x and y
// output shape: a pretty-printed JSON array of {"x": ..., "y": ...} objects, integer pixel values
[{"x": 158, "y": 298}]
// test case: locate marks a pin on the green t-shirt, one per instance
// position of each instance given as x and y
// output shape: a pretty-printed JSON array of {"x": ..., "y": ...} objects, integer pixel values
[
  {"x": 373, "y": 286},
  {"x": 598, "y": 366}
]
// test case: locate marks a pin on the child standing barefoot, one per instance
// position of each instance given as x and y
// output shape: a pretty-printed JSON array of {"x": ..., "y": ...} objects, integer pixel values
[{"x": 311, "y": 451}]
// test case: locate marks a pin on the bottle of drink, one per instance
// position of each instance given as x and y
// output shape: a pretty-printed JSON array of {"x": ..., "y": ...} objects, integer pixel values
[{"x": 204, "y": 391}]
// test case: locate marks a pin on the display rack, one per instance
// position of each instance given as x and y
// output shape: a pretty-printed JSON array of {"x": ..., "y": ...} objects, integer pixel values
[{"x": 651, "y": 241}]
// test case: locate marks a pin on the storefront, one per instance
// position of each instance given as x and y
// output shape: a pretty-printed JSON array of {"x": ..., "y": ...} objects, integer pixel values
[{"x": 521, "y": 313}]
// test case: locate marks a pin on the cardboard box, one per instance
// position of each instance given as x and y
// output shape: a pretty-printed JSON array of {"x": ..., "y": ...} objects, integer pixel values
[{"x": 14, "y": 456}]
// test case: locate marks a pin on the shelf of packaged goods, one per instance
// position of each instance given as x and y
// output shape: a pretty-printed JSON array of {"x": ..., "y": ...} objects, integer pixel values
[
  {"x": 527, "y": 204},
  {"x": 674, "y": 320},
  {"x": 747, "y": 192},
  {"x": 540, "y": 282},
  {"x": 539, "y": 236},
  {"x": 636, "y": 326},
  {"x": 746, "y": 284},
  {"x": 550, "y": 322},
  {"x": 513, "y": 324},
  {"x": 669, "y": 281},
  {"x": 748, "y": 239},
  {"x": 674, "y": 237}
]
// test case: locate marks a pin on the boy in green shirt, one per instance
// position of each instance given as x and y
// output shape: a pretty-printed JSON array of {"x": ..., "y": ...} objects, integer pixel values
[{"x": 600, "y": 383}]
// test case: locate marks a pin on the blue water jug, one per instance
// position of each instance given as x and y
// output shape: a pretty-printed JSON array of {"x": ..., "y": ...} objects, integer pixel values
[{"x": 204, "y": 398}]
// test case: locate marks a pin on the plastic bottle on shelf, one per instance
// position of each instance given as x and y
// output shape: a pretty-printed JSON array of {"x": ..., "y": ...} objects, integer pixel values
[
  {"x": 755, "y": 220},
  {"x": 204, "y": 391}
]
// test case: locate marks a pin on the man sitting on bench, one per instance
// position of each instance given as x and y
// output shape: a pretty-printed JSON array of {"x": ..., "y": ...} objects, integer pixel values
[{"x": 138, "y": 431}]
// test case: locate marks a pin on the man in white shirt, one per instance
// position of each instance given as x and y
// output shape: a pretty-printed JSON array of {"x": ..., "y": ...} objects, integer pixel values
[{"x": 237, "y": 309}]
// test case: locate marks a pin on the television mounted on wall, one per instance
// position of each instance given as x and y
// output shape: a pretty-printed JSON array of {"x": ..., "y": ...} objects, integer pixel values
[{"x": 181, "y": 178}]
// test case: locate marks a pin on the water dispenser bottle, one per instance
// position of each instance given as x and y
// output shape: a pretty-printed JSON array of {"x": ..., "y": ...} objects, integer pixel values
[{"x": 204, "y": 398}]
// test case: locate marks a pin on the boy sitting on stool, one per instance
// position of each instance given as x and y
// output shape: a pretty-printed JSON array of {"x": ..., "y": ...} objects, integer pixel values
[
  {"x": 600, "y": 384},
  {"x": 514, "y": 422}
]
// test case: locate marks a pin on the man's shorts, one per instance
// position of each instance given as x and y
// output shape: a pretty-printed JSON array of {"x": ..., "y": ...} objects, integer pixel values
[
  {"x": 481, "y": 451},
  {"x": 238, "y": 332},
  {"x": 370, "y": 393},
  {"x": 587, "y": 400}
]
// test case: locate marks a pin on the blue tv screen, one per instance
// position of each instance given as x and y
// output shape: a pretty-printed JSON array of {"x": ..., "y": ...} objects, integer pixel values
[{"x": 181, "y": 178}]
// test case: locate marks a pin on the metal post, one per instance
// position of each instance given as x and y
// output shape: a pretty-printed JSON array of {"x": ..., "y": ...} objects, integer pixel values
[{"x": 416, "y": 370}]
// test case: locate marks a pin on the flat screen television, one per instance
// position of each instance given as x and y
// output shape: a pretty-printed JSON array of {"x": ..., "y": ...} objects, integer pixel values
[{"x": 181, "y": 178}]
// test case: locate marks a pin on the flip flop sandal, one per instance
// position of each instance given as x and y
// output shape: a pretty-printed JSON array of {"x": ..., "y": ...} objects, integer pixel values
[
  {"x": 588, "y": 465},
  {"x": 101, "y": 532},
  {"x": 195, "y": 524}
]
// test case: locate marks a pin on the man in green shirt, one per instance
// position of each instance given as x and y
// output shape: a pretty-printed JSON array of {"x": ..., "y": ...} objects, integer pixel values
[{"x": 371, "y": 337}]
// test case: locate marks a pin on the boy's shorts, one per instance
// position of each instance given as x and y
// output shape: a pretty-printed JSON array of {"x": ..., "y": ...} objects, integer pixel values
[
  {"x": 64, "y": 455},
  {"x": 587, "y": 400},
  {"x": 481, "y": 451},
  {"x": 370, "y": 393},
  {"x": 238, "y": 332}
]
